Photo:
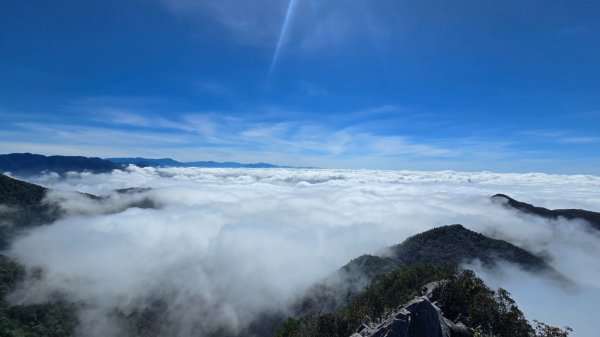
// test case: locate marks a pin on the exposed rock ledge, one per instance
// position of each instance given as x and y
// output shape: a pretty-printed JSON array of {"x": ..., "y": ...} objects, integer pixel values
[{"x": 417, "y": 318}]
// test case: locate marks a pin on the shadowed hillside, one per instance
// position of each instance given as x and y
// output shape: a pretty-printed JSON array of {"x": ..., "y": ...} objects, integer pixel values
[
  {"x": 446, "y": 246},
  {"x": 443, "y": 303},
  {"x": 53, "y": 319},
  {"x": 455, "y": 244},
  {"x": 367, "y": 294},
  {"x": 22, "y": 206},
  {"x": 452, "y": 244},
  {"x": 19, "y": 193}
]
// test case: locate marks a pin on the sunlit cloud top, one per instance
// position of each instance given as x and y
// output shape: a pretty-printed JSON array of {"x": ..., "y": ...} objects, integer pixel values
[{"x": 280, "y": 230}]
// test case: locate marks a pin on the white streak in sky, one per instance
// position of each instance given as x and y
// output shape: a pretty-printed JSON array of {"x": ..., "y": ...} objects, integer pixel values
[{"x": 284, "y": 29}]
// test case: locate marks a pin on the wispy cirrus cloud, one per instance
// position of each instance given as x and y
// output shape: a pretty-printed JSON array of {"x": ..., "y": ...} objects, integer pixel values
[
  {"x": 581, "y": 140},
  {"x": 379, "y": 136},
  {"x": 131, "y": 126},
  {"x": 313, "y": 24},
  {"x": 396, "y": 145},
  {"x": 249, "y": 22},
  {"x": 562, "y": 136}
]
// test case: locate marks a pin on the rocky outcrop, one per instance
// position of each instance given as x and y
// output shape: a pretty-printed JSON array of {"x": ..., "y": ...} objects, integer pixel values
[{"x": 417, "y": 318}]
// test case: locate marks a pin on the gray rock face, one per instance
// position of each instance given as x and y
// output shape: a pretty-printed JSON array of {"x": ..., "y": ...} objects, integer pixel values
[{"x": 417, "y": 318}]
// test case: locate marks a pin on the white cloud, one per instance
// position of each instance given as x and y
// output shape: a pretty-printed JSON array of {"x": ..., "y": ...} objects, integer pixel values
[
  {"x": 395, "y": 145},
  {"x": 121, "y": 130},
  {"x": 542, "y": 300},
  {"x": 343, "y": 139},
  {"x": 266, "y": 131},
  {"x": 241, "y": 241}
]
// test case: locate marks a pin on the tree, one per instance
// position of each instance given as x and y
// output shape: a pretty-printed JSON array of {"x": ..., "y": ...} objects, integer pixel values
[{"x": 545, "y": 330}]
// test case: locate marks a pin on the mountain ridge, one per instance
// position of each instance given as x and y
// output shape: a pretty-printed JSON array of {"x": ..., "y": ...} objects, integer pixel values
[
  {"x": 24, "y": 205},
  {"x": 29, "y": 164},
  {"x": 593, "y": 218},
  {"x": 26, "y": 164},
  {"x": 169, "y": 162},
  {"x": 451, "y": 245}
]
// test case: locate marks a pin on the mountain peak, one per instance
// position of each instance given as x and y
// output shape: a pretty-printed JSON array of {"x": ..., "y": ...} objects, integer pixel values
[{"x": 457, "y": 244}]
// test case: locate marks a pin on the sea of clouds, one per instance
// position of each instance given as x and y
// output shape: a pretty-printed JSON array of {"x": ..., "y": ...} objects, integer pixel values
[{"x": 224, "y": 245}]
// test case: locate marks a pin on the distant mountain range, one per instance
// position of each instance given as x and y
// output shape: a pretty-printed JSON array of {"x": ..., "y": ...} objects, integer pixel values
[
  {"x": 25, "y": 164},
  {"x": 168, "y": 162},
  {"x": 28, "y": 164}
]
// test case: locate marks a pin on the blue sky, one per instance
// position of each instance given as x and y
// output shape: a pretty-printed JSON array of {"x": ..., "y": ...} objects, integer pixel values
[{"x": 433, "y": 85}]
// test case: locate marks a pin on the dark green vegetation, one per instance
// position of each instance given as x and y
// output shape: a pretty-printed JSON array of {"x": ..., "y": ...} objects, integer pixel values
[
  {"x": 384, "y": 294},
  {"x": 462, "y": 296},
  {"x": 22, "y": 206},
  {"x": 440, "y": 246},
  {"x": 467, "y": 297},
  {"x": 592, "y": 217},
  {"x": 455, "y": 244},
  {"x": 336, "y": 309},
  {"x": 19, "y": 193},
  {"x": 452, "y": 244},
  {"x": 56, "y": 319},
  {"x": 26, "y": 164}
]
